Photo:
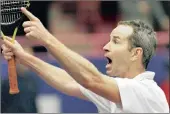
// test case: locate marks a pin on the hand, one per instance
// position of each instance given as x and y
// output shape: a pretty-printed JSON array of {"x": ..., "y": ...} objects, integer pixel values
[
  {"x": 34, "y": 29},
  {"x": 9, "y": 49}
]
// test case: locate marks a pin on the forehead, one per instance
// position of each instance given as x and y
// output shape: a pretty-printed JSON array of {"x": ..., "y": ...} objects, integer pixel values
[{"x": 123, "y": 31}]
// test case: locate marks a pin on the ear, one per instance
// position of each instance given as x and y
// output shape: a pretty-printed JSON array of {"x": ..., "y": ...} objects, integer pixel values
[{"x": 136, "y": 53}]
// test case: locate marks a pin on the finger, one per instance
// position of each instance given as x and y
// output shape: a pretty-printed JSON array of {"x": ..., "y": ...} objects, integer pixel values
[
  {"x": 5, "y": 48},
  {"x": 8, "y": 38},
  {"x": 27, "y": 30},
  {"x": 29, "y": 34},
  {"x": 7, "y": 53},
  {"x": 7, "y": 57},
  {"x": 29, "y": 14},
  {"x": 8, "y": 43},
  {"x": 27, "y": 24}
]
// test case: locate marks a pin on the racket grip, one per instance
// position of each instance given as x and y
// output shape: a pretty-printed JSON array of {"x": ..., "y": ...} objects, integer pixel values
[{"x": 12, "y": 75}]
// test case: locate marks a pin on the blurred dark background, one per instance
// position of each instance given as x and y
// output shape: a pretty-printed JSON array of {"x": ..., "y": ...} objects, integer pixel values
[{"x": 83, "y": 26}]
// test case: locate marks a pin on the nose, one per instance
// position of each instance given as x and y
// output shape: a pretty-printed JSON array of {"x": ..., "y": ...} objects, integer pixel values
[{"x": 106, "y": 47}]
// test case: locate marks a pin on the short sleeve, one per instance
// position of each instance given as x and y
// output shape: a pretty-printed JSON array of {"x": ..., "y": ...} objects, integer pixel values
[
  {"x": 137, "y": 96},
  {"x": 101, "y": 103}
]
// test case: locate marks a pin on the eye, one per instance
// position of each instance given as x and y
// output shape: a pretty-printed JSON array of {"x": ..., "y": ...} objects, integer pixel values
[{"x": 115, "y": 41}]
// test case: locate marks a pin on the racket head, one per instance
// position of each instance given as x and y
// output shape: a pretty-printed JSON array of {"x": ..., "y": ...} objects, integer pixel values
[{"x": 11, "y": 10}]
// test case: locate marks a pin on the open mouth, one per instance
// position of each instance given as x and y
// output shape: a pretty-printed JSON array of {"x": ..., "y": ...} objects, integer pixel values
[{"x": 109, "y": 61}]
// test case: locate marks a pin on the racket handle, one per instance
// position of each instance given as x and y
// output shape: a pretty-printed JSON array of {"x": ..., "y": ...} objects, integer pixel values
[{"x": 12, "y": 75}]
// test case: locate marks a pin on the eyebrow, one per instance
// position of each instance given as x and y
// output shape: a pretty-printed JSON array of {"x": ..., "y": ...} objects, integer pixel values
[{"x": 116, "y": 37}]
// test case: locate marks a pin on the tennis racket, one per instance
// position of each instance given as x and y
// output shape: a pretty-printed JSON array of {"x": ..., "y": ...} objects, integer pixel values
[{"x": 11, "y": 14}]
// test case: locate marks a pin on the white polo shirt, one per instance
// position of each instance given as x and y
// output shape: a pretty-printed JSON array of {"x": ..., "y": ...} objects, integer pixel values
[{"x": 138, "y": 95}]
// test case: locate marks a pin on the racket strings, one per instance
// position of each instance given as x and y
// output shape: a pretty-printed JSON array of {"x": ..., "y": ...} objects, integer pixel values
[{"x": 11, "y": 11}]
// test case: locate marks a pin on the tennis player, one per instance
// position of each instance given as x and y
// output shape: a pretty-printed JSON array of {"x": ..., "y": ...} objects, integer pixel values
[{"x": 128, "y": 88}]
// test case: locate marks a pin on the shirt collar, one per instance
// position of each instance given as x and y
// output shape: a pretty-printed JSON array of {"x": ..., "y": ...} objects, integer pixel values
[{"x": 145, "y": 75}]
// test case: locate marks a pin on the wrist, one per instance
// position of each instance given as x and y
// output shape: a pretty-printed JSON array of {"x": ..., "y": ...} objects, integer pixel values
[
  {"x": 52, "y": 42},
  {"x": 21, "y": 55},
  {"x": 49, "y": 40}
]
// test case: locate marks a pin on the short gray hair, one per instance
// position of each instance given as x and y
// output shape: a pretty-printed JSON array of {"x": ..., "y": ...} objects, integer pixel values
[{"x": 143, "y": 36}]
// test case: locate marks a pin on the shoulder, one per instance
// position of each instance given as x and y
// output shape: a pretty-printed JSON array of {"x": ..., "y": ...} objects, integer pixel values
[
  {"x": 143, "y": 93},
  {"x": 146, "y": 85}
]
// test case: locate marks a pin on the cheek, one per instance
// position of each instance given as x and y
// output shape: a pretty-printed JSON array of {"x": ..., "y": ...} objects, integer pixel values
[{"x": 121, "y": 57}]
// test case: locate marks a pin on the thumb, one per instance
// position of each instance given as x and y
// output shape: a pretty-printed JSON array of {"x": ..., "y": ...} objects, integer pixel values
[{"x": 7, "y": 41}]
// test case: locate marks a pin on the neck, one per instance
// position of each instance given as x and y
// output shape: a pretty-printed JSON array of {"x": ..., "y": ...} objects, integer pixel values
[{"x": 134, "y": 71}]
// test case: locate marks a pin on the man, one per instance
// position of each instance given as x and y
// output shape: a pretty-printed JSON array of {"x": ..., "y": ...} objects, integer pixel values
[{"x": 131, "y": 46}]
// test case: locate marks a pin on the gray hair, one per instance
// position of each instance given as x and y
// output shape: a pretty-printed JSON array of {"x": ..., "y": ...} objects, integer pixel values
[{"x": 143, "y": 36}]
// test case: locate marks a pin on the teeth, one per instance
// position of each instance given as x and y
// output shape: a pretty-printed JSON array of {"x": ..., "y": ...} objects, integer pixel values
[{"x": 108, "y": 60}]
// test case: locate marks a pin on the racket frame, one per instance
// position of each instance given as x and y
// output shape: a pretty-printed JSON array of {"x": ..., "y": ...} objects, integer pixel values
[{"x": 12, "y": 73}]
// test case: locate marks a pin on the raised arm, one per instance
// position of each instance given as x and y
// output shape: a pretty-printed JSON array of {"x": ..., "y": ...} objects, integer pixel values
[
  {"x": 83, "y": 71},
  {"x": 54, "y": 76}
]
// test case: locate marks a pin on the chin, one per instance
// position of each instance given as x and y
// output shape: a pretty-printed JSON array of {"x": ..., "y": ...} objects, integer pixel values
[
  {"x": 108, "y": 73},
  {"x": 112, "y": 74}
]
